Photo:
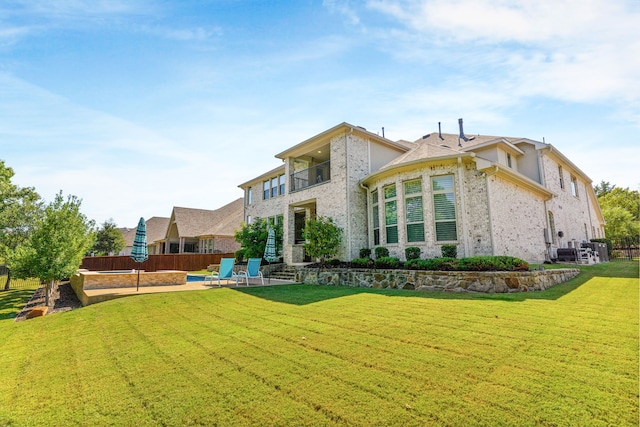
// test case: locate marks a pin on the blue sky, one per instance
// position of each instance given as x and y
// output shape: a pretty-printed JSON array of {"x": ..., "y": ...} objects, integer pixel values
[{"x": 136, "y": 106}]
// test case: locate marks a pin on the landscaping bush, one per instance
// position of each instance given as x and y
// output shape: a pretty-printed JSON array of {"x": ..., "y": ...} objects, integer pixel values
[
  {"x": 363, "y": 262},
  {"x": 365, "y": 253},
  {"x": 412, "y": 252},
  {"x": 492, "y": 263},
  {"x": 334, "y": 262},
  {"x": 440, "y": 264},
  {"x": 449, "y": 251},
  {"x": 239, "y": 255},
  {"x": 387, "y": 262},
  {"x": 413, "y": 264},
  {"x": 381, "y": 252}
]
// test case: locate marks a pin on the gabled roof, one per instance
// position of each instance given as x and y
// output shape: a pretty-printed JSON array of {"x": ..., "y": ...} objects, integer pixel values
[
  {"x": 305, "y": 145},
  {"x": 203, "y": 222},
  {"x": 275, "y": 171},
  {"x": 156, "y": 228}
]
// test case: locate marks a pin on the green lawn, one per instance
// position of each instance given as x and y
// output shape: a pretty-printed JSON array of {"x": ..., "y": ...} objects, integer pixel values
[{"x": 315, "y": 355}]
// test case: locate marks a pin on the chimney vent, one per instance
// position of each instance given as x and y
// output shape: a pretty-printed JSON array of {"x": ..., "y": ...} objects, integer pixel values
[
  {"x": 462, "y": 131},
  {"x": 440, "y": 131}
]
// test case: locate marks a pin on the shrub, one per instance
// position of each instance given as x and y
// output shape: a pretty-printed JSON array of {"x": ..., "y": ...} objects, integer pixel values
[
  {"x": 492, "y": 263},
  {"x": 387, "y": 262},
  {"x": 365, "y": 253},
  {"x": 412, "y": 252},
  {"x": 363, "y": 262},
  {"x": 381, "y": 252},
  {"x": 412, "y": 264},
  {"x": 323, "y": 238},
  {"x": 334, "y": 262},
  {"x": 440, "y": 264},
  {"x": 239, "y": 255},
  {"x": 449, "y": 251}
]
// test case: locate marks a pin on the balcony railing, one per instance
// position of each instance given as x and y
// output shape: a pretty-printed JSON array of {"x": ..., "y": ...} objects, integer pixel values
[{"x": 315, "y": 175}]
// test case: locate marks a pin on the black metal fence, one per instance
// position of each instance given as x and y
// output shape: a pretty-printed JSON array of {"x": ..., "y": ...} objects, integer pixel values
[
  {"x": 625, "y": 248},
  {"x": 16, "y": 283}
]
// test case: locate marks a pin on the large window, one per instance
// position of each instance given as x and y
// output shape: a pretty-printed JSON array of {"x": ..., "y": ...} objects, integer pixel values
[
  {"x": 265, "y": 190},
  {"x": 376, "y": 217},
  {"x": 574, "y": 186},
  {"x": 274, "y": 187},
  {"x": 391, "y": 213},
  {"x": 414, "y": 211},
  {"x": 561, "y": 174},
  {"x": 281, "y": 178},
  {"x": 444, "y": 208},
  {"x": 250, "y": 196}
]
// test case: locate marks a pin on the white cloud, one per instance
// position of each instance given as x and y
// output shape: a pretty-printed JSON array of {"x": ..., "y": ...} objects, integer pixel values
[{"x": 343, "y": 8}]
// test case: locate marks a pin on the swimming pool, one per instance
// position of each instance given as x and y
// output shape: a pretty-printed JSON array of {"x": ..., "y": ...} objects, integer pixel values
[{"x": 195, "y": 278}]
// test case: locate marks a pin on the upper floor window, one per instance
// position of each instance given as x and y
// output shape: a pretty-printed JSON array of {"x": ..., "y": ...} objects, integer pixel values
[
  {"x": 391, "y": 213},
  {"x": 561, "y": 177},
  {"x": 509, "y": 159},
  {"x": 274, "y": 187},
  {"x": 250, "y": 196},
  {"x": 574, "y": 186},
  {"x": 282, "y": 180},
  {"x": 265, "y": 190},
  {"x": 444, "y": 208},
  {"x": 414, "y": 211}
]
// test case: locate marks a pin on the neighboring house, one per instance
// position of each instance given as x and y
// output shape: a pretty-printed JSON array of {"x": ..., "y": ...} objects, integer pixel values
[
  {"x": 487, "y": 195},
  {"x": 156, "y": 230},
  {"x": 202, "y": 230}
]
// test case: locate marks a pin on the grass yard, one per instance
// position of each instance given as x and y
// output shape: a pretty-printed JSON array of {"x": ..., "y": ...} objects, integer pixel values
[{"x": 316, "y": 355}]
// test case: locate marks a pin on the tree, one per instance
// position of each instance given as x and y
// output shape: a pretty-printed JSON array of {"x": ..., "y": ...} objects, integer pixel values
[
  {"x": 603, "y": 188},
  {"x": 621, "y": 211},
  {"x": 56, "y": 245},
  {"x": 109, "y": 239},
  {"x": 20, "y": 208},
  {"x": 253, "y": 238},
  {"x": 323, "y": 238}
]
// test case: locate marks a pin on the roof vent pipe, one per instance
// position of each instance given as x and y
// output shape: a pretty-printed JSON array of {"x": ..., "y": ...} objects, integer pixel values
[
  {"x": 462, "y": 131},
  {"x": 383, "y": 131},
  {"x": 440, "y": 131}
]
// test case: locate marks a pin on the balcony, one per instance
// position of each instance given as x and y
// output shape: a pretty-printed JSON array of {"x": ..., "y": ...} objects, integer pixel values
[{"x": 315, "y": 175}]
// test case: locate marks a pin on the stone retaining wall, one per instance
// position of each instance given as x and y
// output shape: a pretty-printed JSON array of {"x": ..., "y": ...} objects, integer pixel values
[{"x": 450, "y": 281}]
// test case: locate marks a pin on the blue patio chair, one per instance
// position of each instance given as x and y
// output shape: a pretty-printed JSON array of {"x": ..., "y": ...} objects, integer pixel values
[
  {"x": 226, "y": 272},
  {"x": 253, "y": 270}
]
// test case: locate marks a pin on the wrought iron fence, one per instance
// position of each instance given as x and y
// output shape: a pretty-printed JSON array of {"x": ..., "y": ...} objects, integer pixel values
[
  {"x": 625, "y": 248},
  {"x": 16, "y": 283}
]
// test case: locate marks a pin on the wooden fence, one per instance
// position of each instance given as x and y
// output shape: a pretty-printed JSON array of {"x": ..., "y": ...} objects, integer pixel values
[{"x": 185, "y": 262}]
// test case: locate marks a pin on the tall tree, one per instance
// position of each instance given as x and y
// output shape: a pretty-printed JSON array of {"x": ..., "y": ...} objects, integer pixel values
[
  {"x": 603, "y": 188},
  {"x": 109, "y": 239},
  {"x": 621, "y": 211},
  {"x": 20, "y": 208},
  {"x": 56, "y": 245}
]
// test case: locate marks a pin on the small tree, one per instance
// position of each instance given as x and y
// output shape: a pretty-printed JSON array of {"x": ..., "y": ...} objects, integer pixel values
[
  {"x": 253, "y": 238},
  {"x": 109, "y": 239},
  {"x": 323, "y": 238},
  {"x": 57, "y": 244}
]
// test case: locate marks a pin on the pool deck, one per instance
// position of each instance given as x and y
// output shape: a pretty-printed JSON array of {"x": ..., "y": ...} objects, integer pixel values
[{"x": 93, "y": 296}]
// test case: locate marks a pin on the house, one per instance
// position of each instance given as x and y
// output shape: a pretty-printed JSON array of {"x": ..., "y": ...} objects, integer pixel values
[
  {"x": 202, "y": 231},
  {"x": 156, "y": 230},
  {"x": 190, "y": 230},
  {"x": 488, "y": 195}
]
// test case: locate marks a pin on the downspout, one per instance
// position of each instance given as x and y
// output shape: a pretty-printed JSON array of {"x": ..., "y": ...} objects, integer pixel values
[
  {"x": 463, "y": 206},
  {"x": 543, "y": 178},
  {"x": 347, "y": 188},
  {"x": 369, "y": 219}
]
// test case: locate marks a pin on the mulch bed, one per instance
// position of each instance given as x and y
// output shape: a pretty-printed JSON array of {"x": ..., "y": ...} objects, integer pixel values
[{"x": 62, "y": 298}]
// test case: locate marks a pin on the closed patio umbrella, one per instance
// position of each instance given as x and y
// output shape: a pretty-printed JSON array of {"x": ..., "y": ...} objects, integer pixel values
[
  {"x": 270, "y": 249},
  {"x": 139, "y": 252}
]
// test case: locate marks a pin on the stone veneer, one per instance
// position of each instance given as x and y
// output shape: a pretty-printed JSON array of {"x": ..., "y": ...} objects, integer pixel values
[
  {"x": 450, "y": 281},
  {"x": 84, "y": 279}
]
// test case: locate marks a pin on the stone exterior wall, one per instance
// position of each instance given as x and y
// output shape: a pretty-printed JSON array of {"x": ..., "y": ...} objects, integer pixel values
[
  {"x": 225, "y": 245},
  {"x": 518, "y": 221},
  {"x": 97, "y": 280},
  {"x": 449, "y": 281}
]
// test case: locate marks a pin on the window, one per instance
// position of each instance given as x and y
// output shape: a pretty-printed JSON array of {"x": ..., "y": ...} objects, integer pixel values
[
  {"x": 250, "y": 196},
  {"x": 265, "y": 190},
  {"x": 509, "y": 159},
  {"x": 574, "y": 186},
  {"x": 281, "y": 178},
  {"x": 391, "y": 213},
  {"x": 414, "y": 211},
  {"x": 249, "y": 219},
  {"x": 561, "y": 177},
  {"x": 444, "y": 208},
  {"x": 552, "y": 227},
  {"x": 274, "y": 187},
  {"x": 279, "y": 219},
  {"x": 376, "y": 217}
]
